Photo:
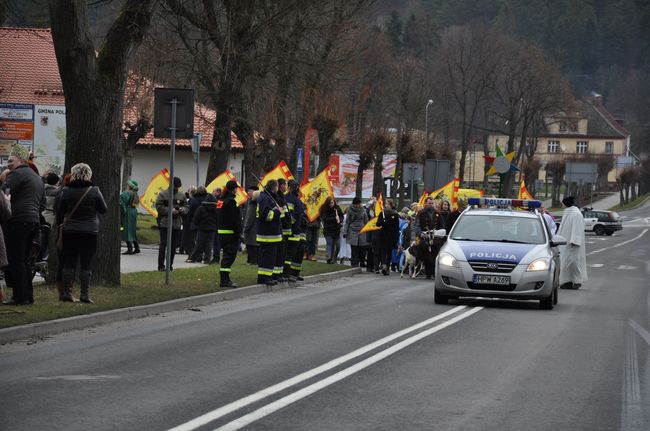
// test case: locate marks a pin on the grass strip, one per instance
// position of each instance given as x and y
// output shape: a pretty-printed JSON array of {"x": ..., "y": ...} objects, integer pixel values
[
  {"x": 640, "y": 200},
  {"x": 138, "y": 288}
]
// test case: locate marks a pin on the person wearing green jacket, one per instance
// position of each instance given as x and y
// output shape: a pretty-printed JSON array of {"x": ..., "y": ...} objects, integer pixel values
[{"x": 129, "y": 201}]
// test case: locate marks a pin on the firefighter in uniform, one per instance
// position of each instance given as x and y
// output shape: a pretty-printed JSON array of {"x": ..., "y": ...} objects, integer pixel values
[
  {"x": 229, "y": 230},
  {"x": 296, "y": 242},
  {"x": 269, "y": 233},
  {"x": 282, "y": 257}
]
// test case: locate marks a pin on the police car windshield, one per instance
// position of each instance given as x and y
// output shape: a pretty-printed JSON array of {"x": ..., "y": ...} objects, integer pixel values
[{"x": 483, "y": 227}]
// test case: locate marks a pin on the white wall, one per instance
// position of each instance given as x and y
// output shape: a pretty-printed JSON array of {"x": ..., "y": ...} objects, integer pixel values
[{"x": 147, "y": 162}]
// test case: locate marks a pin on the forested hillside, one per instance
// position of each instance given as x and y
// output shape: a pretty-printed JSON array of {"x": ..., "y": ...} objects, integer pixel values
[{"x": 600, "y": 46}]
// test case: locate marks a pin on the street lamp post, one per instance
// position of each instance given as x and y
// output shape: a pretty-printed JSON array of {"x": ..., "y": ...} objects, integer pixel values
[{"x": 426, "y": 120}]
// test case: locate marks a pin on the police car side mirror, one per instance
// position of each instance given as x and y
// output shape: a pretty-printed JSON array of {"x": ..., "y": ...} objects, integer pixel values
[{"x": 558, "y": 240}]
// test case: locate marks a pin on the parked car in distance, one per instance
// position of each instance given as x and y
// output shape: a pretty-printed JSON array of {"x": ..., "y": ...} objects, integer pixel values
[{"x": 600, "y": 222}]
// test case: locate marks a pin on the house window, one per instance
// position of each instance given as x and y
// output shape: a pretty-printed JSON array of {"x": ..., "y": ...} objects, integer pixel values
[
  {"x": 609, "y": 147},
  {"x": 581, "y": 147},
  {"x": 553, "y": 146},
  {"x": 562, "y": 126}
]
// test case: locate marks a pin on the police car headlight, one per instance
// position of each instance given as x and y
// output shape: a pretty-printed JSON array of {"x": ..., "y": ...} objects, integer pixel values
[
  {"x": 539, "y": 265},
  {"x": 447, "y": 260}
]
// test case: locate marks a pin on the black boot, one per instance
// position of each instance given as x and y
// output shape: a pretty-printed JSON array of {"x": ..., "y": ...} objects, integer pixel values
[
  {"x": 136, "y": 247},
  {"x": 84, "y": 279},
  {"x": 68, "y": 279},
  {"x": 225, "y": 281}
]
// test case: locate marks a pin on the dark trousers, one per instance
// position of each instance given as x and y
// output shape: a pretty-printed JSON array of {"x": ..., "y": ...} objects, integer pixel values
[
  {"x": 312, "y": 240},
  {"x": 266, "y": 261},
  {"x": 251, "y": 254},
  {"x": 203, "y": 246},
  {"x": 229, "y": 244},
  {"x": 295, "y": 254},
  {"x": 281, "y": 257},
  {"x": 358, "y": 255},
  {"x": 385, "y": 254},
  {"x": 18, "y": 242},
  {"x": 176, "y": 236},
  {"x": 79, "y": 246},
  {"x": 374, "y": 255},
  {"x": 216, "y": 249}
]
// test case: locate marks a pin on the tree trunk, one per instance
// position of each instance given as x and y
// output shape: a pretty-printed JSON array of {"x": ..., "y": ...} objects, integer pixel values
[
  {"x": 221, "y": 143},
  {"x": 378, "y": 177},
  {"x": 359, "y": 185},
  {"x": 93, "y": 85},
  {"x": 244, "y": 132},
  {"x": 127, "y": 166}
]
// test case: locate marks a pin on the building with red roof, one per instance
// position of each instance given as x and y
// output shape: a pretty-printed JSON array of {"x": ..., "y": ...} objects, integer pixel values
[{"x": 32, "y": 112}]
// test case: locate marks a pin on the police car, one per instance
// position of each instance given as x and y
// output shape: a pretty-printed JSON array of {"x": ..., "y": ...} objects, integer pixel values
[{"x": 496, "y": 250}]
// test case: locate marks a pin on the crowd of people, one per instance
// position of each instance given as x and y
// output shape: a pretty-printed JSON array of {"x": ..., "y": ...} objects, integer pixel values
[
  {"x": 211, "y": 228},
  {"x": 272, "y": 227},
  {"x": 31, "y": 205}
]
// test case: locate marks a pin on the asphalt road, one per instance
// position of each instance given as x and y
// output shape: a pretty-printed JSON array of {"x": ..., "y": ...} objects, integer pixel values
[{"x": 365, "y": 353}]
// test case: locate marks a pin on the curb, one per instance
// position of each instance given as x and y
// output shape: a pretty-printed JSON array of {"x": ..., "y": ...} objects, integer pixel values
[{"x": 57, "y": 326}]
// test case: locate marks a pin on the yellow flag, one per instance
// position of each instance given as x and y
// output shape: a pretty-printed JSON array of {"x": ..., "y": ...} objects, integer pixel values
[
  {"x": 449, "y": 191},
  {"x": 372, "y": 223},
  {"x": 315, "y": 192},
  {"x": 280, "y": 171},
  {"x": 159, "y": 182},
  {"x": 220, "y": 182},
  {"x": 524, "y": 194},
  {"x": 469, "y": 193}
]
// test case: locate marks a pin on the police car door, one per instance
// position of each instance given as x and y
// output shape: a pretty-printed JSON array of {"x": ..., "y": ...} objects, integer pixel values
[{"x": 590, "y": 220}]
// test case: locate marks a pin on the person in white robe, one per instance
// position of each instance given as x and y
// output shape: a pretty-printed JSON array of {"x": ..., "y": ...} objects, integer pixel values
[{"x": 573, "y": 258}]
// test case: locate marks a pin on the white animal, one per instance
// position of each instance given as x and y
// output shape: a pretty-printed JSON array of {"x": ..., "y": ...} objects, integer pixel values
[{"x": 411, "y": 263}]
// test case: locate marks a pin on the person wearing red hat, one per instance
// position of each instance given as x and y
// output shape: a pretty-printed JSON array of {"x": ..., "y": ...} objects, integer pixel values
[{"x": 229, "y": 230}]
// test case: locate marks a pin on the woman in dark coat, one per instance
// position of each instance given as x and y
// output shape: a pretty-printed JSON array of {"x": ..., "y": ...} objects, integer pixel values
[
  {"x": 445, "y": 219},
  {"x": 332, "y": 218},
  {"x": 80, "y": 228},
  {"x": 250, "y": 227},
  {"x": 205, "y": 223},
  {"x": 388, "y": 234}
]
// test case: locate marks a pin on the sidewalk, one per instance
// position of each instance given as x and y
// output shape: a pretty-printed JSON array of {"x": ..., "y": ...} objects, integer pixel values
[
  {"x": 147, "y": 260},
  {"x": 600, "y": 204}
]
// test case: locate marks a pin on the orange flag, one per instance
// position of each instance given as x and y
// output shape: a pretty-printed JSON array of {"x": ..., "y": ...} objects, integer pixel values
[
  {"x": 372, "y": 224},
  {"x": 524, "y": 194},
  {"x": 158, "y": 182},
  {"x": 280, "y": 171},
  {"x": 315, "y": 192},
  {"x": 220, "y": 182}
]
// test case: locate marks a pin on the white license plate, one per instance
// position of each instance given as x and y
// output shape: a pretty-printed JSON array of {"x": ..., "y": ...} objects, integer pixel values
[{"x": 502, "y": 280}]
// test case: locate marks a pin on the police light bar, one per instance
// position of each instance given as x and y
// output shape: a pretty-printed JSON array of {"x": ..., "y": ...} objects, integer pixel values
[{"x": 500, "y": 202}]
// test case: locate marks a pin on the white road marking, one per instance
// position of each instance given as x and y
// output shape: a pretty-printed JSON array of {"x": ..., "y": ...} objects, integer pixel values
[
  {"x": 619, "y": 244},
  {"x": 632, "y": 408},
  {"x": 596, "y": 265},
  {"x": 79, "y": 377},
  {"x": 315, "y": 387},
  {"x": 626, "y": 267},
  {"x": 243, "y": 402}
]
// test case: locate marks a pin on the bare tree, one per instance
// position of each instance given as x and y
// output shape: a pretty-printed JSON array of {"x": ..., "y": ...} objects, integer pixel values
[
  {"x": 469, "y": 60},
  {"x": 94, "y": 81}
]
